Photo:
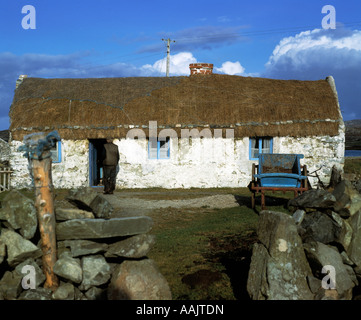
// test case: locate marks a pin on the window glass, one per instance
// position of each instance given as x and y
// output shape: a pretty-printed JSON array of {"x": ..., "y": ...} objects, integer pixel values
[
  {"x": 56, "y": 153},
  {"x": 260, "y": 145}
]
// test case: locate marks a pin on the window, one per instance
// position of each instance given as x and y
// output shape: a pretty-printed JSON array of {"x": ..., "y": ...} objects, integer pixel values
[
  {"x": 260, "y": 145},
  {"x": 56, "y": 153},
  {"x": 158, "y": 149}
]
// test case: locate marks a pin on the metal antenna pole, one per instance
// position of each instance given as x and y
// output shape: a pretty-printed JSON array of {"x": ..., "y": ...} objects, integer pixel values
[{"x": 168, "y": 54}]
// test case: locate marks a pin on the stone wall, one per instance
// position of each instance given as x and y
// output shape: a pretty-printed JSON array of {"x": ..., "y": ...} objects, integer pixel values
[
  {"x": 98, "y": 257},
  {"x": 314, "y": 254},
  {"x": 200, "y": 163}
]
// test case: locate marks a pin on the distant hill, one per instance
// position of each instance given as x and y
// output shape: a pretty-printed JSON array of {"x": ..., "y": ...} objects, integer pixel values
[{"x": 353, "y": 134}]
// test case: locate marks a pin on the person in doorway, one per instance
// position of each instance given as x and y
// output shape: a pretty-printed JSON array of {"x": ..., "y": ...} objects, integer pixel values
[{"x": 110, "y": 162}]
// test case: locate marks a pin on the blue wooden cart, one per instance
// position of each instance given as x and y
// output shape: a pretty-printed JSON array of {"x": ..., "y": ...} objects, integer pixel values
[{"x": 278, "y": 172}]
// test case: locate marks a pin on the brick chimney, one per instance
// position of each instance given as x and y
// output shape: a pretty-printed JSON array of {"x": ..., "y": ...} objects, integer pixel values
[{"x": 201, "y": 68}]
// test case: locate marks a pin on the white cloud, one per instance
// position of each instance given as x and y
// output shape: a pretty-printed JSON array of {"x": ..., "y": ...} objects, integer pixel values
[
  {"x": 178, "y": 65},
  {"x": 231, "y": 68},
  {"x": 316, "y": 54},
  {"x": 314, "y": 40}
]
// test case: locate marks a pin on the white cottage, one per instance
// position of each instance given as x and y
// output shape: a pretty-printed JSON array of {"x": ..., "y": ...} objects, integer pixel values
[{"x": 202, "y": 131}]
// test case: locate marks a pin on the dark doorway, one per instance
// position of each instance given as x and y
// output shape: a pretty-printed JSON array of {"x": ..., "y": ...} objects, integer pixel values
[{"x": 96, "y": 147}]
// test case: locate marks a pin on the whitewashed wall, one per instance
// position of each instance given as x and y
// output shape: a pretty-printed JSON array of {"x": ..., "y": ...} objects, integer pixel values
[
  {"x": 71, "y": 172},
  {"x": 201, "y": 163}
]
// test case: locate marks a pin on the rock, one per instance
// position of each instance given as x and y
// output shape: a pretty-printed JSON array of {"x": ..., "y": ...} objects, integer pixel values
[
  {"x": 100, "y": 228},
  {"x": 96, "y": 271},
  {"x": 336, "y": 177},
  {"x": 358, "y": 186},
  {"x": 2, "y": 251},
  {"x": 257, "y": 285},
  {"x": 316, "y": 199},
  {"x": 36, "y": 294},
  {"x": 318, "y": 226},
  {"x": 18, "y": 248},
  {"x": 138, "y": 280},
  {"x": 39, "y": 275},
  {"x": 314, "y": 283},
  {"x": 344, "y": 235},
  {"x": 320, "y": 255},
  {"x": 346, "y": 259},
  {"x": 88, "y": 199},
  {"x": 348, "y": 200},
  {"x": 101, "y": 207},
  {"x": 298, "y": 216},
  {"x": 64, "y": 292},
  {"x": 20, "y": 213},
  {"x": 133, "y": 247},
  {"x": 10, "y": 285},
  {"x": 279, "y": 270},
  {"x": 63, "y": 214},
  {"x": 68, "y": 268},
  {"x": 83, "y": 247},
  {"x": 354, "y": 249},
  {"x": 95, "y": 293}
]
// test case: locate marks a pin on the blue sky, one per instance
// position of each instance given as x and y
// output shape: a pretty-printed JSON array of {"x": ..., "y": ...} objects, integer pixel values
[{"x": 276, "y": 39}]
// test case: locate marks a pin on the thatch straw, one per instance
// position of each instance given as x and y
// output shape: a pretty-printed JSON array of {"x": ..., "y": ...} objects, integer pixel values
[{"x": 97, "y": 108}]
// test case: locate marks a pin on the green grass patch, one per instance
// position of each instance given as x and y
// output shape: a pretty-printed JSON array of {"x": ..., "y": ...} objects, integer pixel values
[
  {"x": 205, "y": 253},
  {"x": 352, "y": 165}
]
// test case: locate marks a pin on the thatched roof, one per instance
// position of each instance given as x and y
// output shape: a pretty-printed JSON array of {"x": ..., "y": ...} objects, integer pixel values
[{"x": 109, "y": 107}]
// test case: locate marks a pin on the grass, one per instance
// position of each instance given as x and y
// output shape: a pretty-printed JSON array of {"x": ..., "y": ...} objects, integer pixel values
[
  {"x": 352, "y": 165},
  {"x": 205, "y": 253}
]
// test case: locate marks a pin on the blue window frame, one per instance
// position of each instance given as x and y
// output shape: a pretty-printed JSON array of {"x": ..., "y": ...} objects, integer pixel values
[
  {"x": 259, "y": 145},
  {"x": 56, "y": 152},
  {"x": 158, "y": 149}
]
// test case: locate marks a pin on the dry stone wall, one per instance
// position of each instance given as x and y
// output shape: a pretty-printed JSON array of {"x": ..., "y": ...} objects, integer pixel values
[
  {"x": 314, "y": 254},
  {"x": 99, "y": 257}
]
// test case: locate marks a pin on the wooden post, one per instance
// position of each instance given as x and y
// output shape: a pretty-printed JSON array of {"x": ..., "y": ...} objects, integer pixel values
[{"x": 37, "y": 147}]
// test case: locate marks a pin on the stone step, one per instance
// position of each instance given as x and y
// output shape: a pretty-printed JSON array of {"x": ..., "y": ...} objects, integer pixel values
[{"x": 101, "y": 228}]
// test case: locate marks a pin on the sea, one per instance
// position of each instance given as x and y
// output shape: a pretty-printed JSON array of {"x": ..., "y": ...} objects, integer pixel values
[{"x": 352, "y": 153}]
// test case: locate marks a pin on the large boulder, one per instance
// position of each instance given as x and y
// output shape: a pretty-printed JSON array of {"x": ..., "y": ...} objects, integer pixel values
[
  {"x": 88, "y": 199},
  {"x": 18, "y": 248},
  {"x": 82, "y": 247},
  {"x": 315, "y": 198},
  {"x": 39, "y": 275},
  {"x": 65, "y": 291},
  {"x": 96, "y": 271},
  {"x": 279, "y": 267},
  {"x": 10, "y": 285},
  {"x": 321, "y": 255},
  {"x": 68, "y": 268},
  {"x": 20, "y": 213},
  {"x": 102, "y": 228},
  {"x": 138, "y": 280},
  {"x": 354, "y": 249},
  {"x": 63, "y": 214},
  {"x": 133, "y": 247},
  {"x": 348, "y": 200},
  {"x": 319, "y": 226}
]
